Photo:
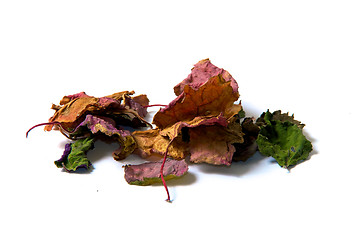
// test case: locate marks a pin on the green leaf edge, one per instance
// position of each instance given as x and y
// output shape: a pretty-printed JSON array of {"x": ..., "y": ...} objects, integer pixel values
[
  {"x": 149, "y": 181},
  {"x": 77, "y": 155},
  {"x": 268, "y": 149}
]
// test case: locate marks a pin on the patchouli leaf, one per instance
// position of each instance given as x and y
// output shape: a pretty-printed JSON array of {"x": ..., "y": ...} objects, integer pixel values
[
  {"x": 201, "y": 73},
  {"x": 214, "y": 97},
  {"x": 200, "y": 120},
  {"x": 107, "y": 126},
  {"x": 149, "y": 173},
  {"x": 249, "y": 147},
  {"x": 74, "y": 156},
  {"x": 284, "y": 141},
  {"x": 121, "y": 107},
  {"x": 214, "y": 144},
  {"x": 277, "y": 115},
  {"x": 64, "y": 157},
  {"x": 151, "y": 142}
]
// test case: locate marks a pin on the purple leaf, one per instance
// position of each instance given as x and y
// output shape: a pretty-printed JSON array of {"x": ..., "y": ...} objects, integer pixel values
[
  {"x": 149, "y": 173},
  {"x": 200, "y": 74}
]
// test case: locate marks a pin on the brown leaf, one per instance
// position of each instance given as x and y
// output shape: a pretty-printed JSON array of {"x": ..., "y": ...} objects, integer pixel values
[
  {"x": 213, "y": 144},
  {"x": 214, "y": 97},
  {"x": 119, "y": 106},
  {"x": 69, "y": 115},
  {"x": 201, "y": 121},
  {"x": 249, "y": 147},
  {"x": 200, "y": 74},
  {"x": 150, "y": 142},
  {"x": 173, "y": 130}
]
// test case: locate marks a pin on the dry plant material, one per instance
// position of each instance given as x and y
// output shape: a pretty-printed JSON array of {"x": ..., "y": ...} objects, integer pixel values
[
  {"x": 149, "y": 173},
  {"x": 203, "y": 124}
]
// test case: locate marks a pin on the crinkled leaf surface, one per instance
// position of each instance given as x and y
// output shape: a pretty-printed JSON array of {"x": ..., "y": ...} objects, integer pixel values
[
  {"x": 151, "y": 142},
  {"x": 214, "y": 97},
  {"x": 119, "y": 106},
  {"x": 149, "y": 173},
  {"x": 249, "y": 147},
  {"x": 107, "y": 126},
  {"x": 98, "y": 124},
  {"x": 199, "y": 120},
  {"x": 175, "y": 129},
  {"x": 75, "y": 155},
  {"x": 284, "y": 141},
  {"x": 278, "y": 115},
  {"x": 127, "y": 146},
  {"x": 207, "y": 140},
  {"x": 201, "y": 73},
  {"x": 213, "y": 144}
]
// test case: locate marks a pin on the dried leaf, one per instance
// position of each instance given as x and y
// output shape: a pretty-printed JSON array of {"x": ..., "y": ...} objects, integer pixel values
[
  {"x": 119, "y": 106},
  {"x": 107, "y": 126},
  {"x": 249, "y": 147},
  {"x": 175, "y": 129},
  {"x": 214, "y": 97},
  {"x": 277, "y": 115},
  {"x": 200, "y": 120},
  {"x": 74, "y": 156},
  {"x": 201, "y": 73},
  {"x": 214, "y": 144},
  {"x": 156, "y": 140},
  {"x": 149, "y": 173},
  {"x": 150, "y": 143}
]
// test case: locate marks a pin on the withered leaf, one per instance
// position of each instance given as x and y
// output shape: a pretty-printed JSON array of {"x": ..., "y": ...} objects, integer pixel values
[
  {"x": 200, "y": 119},
  {"x": 214, "y": 144},
  {"x": 278, "y": 115},
  {"x": 173, "y": 130},
  {"x": 249, "y": 147},
  {"x": 151, "y": 142},
  {"x": 214, "y": 97},
  {"x": 201, "y": 73},
  {"x": 75, "y": 155},
  {"x": 149, "y": 173},
  {"x": 107, "y": 126},
  {"x": 119, "y": 106}
]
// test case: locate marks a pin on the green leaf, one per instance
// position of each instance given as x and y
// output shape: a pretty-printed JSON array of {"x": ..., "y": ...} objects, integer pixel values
[
  {"x": 241, "y": 114},
  {"x": 277, "y": 115},
  {"x": 284, "y": 141},
  {"x": 74, "y": 156}
]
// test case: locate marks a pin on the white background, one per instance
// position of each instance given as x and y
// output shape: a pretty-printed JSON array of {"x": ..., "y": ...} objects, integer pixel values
[{"x": 303, "y": 57}]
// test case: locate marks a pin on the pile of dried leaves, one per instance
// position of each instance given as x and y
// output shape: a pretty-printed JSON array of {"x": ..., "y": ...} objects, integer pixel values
[{"x": 203, "y": 124}]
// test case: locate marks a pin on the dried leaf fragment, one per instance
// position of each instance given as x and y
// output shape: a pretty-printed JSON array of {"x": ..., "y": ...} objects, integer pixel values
[
  {"x": 213, "y": 144},
  {"x": 151, "y": 142},
  {"x": 278, "y": 115},
  {"x": 249, "y": 147},
  {"x": 74, "y": 156},
  {"x": 200, "y": 119},
  {"x": 201, "y": 73},
  {"x": 149, "y": 173},
  {"x": 121, "y": 107},
  {"x": 107, "y": 127},
  {"x": 214, "y": 97}
]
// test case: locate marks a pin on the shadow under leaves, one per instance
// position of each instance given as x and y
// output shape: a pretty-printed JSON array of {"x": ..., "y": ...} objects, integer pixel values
[{"x": 236, "y": 169}]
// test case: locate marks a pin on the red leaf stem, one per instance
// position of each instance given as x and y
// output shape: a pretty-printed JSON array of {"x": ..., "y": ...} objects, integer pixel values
[
  {"x": 161, "y": 172},
  {"x": 53, "y": 123},
  {"x": 42, "y": 124}
]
